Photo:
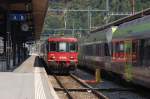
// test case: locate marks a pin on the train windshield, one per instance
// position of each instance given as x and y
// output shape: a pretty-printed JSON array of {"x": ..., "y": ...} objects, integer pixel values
[
  {"x": 53, "y": 46},
  {"x": 73, "y": 47},
  {"x": 63, "y": 47}
]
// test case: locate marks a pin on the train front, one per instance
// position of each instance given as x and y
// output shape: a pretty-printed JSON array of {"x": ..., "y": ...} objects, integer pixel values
[{"x": 62, "y": 54}]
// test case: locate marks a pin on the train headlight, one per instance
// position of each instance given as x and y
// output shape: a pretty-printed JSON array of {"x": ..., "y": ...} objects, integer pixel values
[
  {"x": 71, "y": 57},
  {"x": 52, "y": 57}
]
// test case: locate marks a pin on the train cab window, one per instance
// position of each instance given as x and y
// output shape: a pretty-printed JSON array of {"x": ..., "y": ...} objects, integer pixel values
[
  {"x": 53, "y": 46},
  {"x": 62, "y": 46},
  {"x": 73, "y": 47}
]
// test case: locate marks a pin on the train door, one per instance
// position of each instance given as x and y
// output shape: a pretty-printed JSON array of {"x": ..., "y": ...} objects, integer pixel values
[
  {"x": 131, "y": 51},
  {"x": 146, "y": 56},
  {"x": 128, "y": 51},
  {"x": 128, "y": 57},
  {"x": 144, "y": 52},
  {"x": 135, "y": 50},
  {"x": 141, "y": 52}
]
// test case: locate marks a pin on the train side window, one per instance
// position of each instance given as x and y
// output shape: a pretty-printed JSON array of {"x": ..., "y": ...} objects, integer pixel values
[
  {"x": 94, "y": 50},
  {"x": 85, "y": 49},
  {"x": 106, "y": 49},
  {"x": 77, "y": 47},
  {"x": 102, "y": 49},
  {"x": 134, "y": 46},
  {"x": 119, "y": 47},
  {"x": 90, "y": 50},
  {"x": 97, "y": 49}
]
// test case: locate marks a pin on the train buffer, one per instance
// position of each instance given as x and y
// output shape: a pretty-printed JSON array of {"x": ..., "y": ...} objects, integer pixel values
[{"x": 26, "y": 82}]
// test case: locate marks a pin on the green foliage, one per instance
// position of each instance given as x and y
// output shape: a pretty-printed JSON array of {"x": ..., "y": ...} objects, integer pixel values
[
  {"x": 54, "y": 22},
  {"x": 80, "y": 20}
]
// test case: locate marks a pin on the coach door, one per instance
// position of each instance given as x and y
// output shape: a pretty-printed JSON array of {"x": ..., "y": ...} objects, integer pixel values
[
  {"x": 128, "y": 63},
  {"x": 128, "y": 51}
]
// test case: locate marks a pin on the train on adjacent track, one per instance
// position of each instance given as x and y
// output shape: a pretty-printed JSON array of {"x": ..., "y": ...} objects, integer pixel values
[
  {"x": 60, "y": 54},
  {"x": 123, "y": 50}
]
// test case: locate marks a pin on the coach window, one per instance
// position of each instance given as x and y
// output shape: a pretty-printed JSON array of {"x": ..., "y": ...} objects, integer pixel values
[
  {"x": 106, "y": 50},
  {"x": 134, "y": 49},
  {"x": 119, "y": 47},
  {"x": 53, "y": 46},
  {"x": 97, "y": 49}
]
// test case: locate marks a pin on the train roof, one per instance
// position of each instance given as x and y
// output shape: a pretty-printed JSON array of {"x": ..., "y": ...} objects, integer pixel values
[
  {"x": 135, "y": 29},
  {"x": 62, "y": 39},
  {"x": 123, "y": 20},
  {"x": 91, "y": 43},
  {"x": 102, "y": 36}
]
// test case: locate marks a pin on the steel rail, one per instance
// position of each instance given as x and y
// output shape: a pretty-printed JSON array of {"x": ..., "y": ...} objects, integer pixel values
[
  {"x": 61, "y": 85},
  {"x": 97, "y": 89},
  {"x": 98, "y": 94}
]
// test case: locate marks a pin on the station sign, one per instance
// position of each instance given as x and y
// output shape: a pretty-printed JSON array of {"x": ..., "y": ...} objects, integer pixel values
[{"x": 18, "y": 17}]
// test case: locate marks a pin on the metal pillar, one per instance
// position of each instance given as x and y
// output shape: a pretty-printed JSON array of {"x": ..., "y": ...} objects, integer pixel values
[
  {"x": 14, "y": 54},
  {"x": 133, "y": 6},
  {"x": 8, "y": 47},
  {"x": 24, "y": 56},
  {"x": 5, "y": 46},
  {"x": 18, "y": 51},
  {"x": 21, "y": 52}
]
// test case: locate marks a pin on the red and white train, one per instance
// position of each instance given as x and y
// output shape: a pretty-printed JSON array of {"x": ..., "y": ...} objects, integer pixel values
[{"x": 60, "y": 53}]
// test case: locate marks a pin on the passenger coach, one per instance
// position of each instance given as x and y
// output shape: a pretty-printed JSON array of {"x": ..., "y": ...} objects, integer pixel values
[{"x": 124, "y": 50}]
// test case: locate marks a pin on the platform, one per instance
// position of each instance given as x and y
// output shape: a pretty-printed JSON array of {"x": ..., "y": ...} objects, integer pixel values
[{"x": 26, "y": 82}]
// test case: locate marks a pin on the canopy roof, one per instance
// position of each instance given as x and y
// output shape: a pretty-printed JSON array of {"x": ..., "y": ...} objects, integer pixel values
[
  {"x": 39, "y": 13},
  {"x": 38, "y": 10}
]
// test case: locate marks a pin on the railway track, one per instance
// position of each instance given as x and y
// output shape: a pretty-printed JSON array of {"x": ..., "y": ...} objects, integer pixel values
[{"x": 71, "y": 87}]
